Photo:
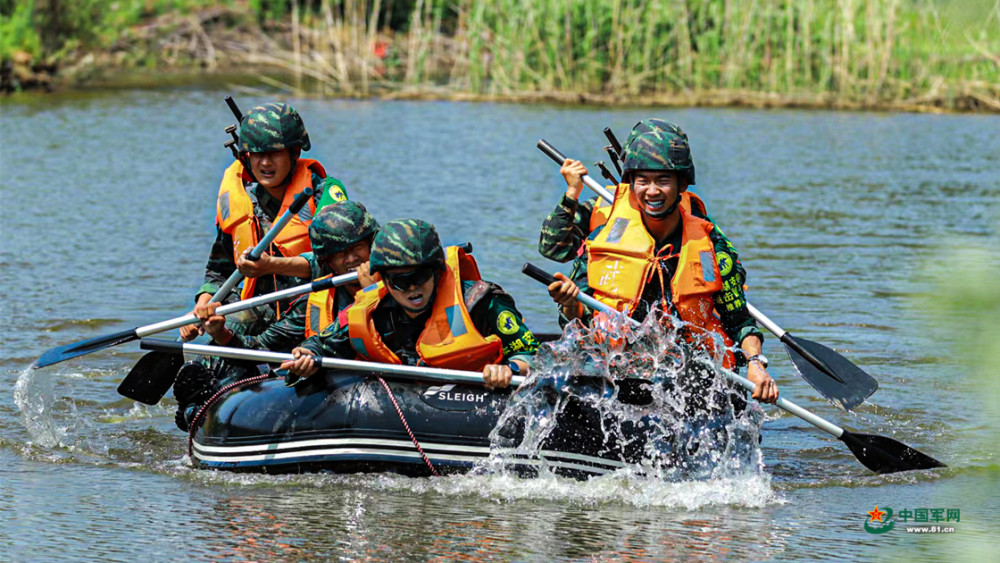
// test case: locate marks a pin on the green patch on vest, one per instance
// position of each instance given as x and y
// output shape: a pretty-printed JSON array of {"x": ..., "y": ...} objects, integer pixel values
[{"x": 725, "y": 263}]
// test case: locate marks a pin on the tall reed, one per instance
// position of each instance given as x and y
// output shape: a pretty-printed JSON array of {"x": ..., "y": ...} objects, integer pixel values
[{"x": 862, "y": 50}]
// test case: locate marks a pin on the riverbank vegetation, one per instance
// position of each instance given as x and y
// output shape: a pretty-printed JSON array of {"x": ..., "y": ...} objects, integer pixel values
[{"x": 907, "y": 54}]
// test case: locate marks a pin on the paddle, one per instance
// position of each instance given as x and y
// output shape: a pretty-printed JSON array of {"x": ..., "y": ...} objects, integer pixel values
[
  {"x": 151, "y": 377},
  {"x": 63, "y": 353},
  {"x": 153, "y": 374},
  {"x": 834, "y": 376},
  {"x": 878, "y": 453},
  {"x": 393, "y": 370}
]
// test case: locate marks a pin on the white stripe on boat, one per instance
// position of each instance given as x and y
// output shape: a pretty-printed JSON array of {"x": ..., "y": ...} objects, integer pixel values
[{"x": 313, "y": 448}]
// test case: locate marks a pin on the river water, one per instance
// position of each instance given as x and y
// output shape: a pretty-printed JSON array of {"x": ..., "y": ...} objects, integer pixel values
[{"x": 844, "y": 222}]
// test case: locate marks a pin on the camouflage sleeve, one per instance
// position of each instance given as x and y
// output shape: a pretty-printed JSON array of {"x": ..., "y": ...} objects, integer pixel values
[
  {"x": 565, "y": 229},
  {"x": 220, "y": 264},
  {"x": 579, "y": 276},
  {"x": 497, "y": 314},
  {"x": 282, "y": 335},
  {"x": 333, "y": 342},
  {"x": 731, "y": 302},
  {"x": 315, "y": 270},
  {"x": 328, "y": 190}
]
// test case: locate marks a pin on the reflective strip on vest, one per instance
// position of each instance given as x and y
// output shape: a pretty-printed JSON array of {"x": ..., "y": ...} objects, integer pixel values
[
  {"x": 224, "y": 205},
  {"x": 313, "y": 320},
  {"x": 708, "y": 265},
  {"x": 455, "y": 323}
]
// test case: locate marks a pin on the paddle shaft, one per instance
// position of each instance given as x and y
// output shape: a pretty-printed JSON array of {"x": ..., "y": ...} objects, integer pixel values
[
  {"x": 313, "y": 287},
  {"x": 297, "y": 204},
  {"x": 235, "y": 109},
  {"x": 400, "y": 371},
  {"x": 789, "y": 341},
  {"x": 541, "y": 275},
  {"x": 619, "y": 151},
  {"x": 559, "y": 158},
  {"x": 533, "y": 271}
]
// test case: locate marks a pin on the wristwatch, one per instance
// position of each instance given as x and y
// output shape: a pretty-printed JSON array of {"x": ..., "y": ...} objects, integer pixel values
[
  {"x": 514, "y": 368},
  {"x": 758, "y": 358}
]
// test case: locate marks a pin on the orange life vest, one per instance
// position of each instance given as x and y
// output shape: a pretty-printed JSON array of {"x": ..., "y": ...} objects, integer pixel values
[
  {"x": 599, "y": 215},
  {"x": 319, "y": 309},
  {"x": 449, "y": 340},
  {"x": 622, "y": 260},
  {"x": 234, "y": 213}
]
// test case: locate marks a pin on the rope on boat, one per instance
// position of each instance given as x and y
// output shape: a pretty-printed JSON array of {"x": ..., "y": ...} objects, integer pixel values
[
  {"x": 402, "y": 419},
  {"x": 200, "y": 415}
]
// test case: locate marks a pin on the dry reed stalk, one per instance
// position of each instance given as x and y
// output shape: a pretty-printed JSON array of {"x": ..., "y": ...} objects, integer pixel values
[
  {"x": 340, "y": 73},
  {"x": 684, "y": 54},
  {"x": 297, "y": 45}
]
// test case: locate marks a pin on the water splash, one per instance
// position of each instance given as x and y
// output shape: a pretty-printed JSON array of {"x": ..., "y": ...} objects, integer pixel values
[
  {"x": 34, "y": 395},
  {"x": 641, "y": 396}
]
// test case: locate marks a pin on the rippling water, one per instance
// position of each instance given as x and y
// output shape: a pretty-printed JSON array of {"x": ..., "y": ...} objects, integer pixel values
[{"x": 107, "y": 219}]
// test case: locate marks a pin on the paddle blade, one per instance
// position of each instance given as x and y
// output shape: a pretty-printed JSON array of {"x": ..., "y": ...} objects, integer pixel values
[
  {"x": 63, "y": 353},
  {"x": 885, "y": 455},
  {"x": 151, "y": 377},
  {"x": 833, "y": 375}
]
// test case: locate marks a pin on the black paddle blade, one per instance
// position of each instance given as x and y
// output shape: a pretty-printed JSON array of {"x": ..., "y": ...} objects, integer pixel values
[
  {"x": 833, "y": 375},
  {"x": 151, "y": 377},
  {"x": 885, "y": 455},
  {"x": 63, "y": 353}
]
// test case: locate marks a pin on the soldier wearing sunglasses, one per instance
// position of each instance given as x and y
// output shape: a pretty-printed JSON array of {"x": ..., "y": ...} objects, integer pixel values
[{"x": 432, "y": 308}]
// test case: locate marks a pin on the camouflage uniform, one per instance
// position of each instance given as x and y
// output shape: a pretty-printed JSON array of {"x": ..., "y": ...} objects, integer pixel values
[
  {"x": 563, "y": 232},
  {"x": 411, "y": 242},
  {"x": 334, "y": 229},
  {"x": 265, "y": 128}
]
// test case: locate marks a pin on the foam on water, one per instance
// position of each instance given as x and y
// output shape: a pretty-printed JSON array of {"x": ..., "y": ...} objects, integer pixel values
[
  {"x": 749, "y": 490},
  {"x": 662, "y": 407}
]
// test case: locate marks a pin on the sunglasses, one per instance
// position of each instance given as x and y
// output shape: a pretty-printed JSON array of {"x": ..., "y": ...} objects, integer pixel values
[{"x": 404, "y": 281}]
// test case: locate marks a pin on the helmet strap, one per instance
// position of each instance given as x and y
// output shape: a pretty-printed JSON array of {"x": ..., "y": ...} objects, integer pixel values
[{"x": 673, "y": 207}]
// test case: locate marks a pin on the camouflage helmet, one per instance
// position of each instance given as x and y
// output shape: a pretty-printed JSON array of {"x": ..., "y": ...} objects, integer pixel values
[
  {"x": 653, "y": 124},
  {"x": 406, "y": 242},
  {"x": 272, "y": 127},
  {"x": 340, "y": 225},
  {"x": 658, "y": 145}
]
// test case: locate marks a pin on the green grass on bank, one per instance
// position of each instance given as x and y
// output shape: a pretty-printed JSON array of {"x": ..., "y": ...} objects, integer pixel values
[{"x": 852, "y": 50}]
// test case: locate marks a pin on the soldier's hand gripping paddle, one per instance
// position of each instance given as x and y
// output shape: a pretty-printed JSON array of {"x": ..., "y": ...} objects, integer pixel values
[
  {"x": 65, "y": 352},
  {"x": 420, "y": 373},
  {"x": 154, "y": 373},
  {"x": 878, "y": 453},
  {"x": 834, "y": 376}
]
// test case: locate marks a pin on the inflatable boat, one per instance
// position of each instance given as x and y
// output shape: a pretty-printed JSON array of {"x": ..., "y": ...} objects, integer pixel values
[{"x": 344, "y": 422}]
